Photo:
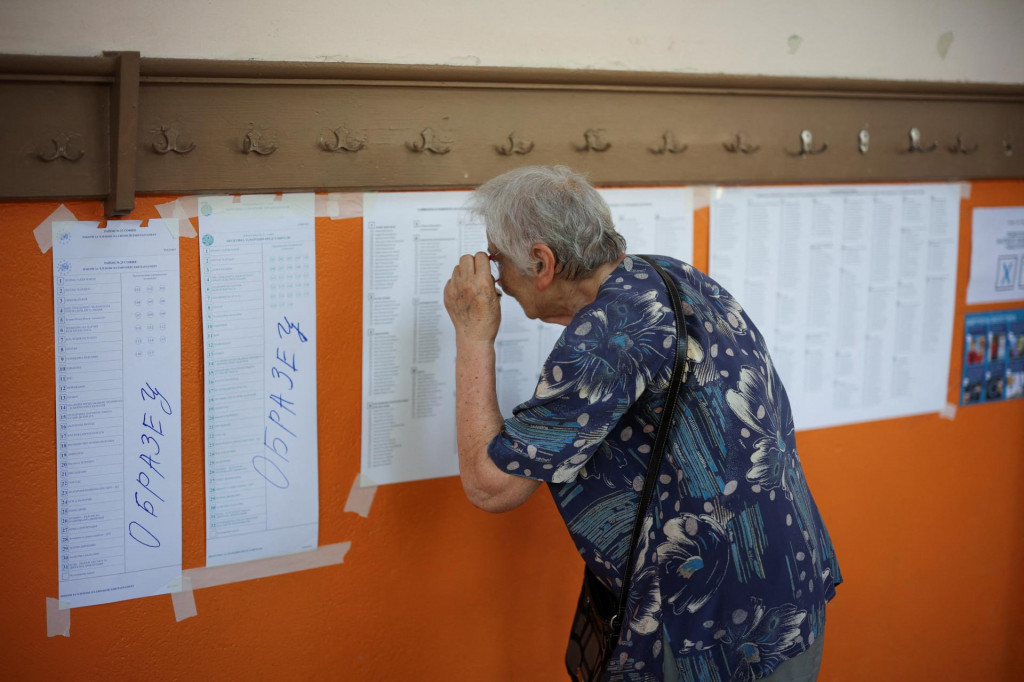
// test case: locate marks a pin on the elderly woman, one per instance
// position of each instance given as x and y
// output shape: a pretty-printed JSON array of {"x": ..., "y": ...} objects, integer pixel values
[{"x": 734, "y": 565}]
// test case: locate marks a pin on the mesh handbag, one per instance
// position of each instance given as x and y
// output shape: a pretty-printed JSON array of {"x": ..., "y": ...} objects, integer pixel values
[{"x": 599, "y": 611}]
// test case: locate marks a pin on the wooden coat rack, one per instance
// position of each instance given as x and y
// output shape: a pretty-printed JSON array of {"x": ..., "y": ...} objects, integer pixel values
[{"x": 113, "y": 126}]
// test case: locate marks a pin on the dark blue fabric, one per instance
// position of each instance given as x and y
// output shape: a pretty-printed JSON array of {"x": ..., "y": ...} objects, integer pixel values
[{"x": 735, "y": 565}]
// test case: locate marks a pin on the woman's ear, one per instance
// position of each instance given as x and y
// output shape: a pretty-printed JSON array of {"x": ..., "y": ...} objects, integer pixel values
[{"x": 544, "y": 259}]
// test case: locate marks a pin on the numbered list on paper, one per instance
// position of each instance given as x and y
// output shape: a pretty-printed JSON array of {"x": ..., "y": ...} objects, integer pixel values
[
  {"x": 411, "y": 243},
  {"x": 853, "y": 288},
  {"x": 259, "y": 341},
  {"x": 118, "y": 371}
]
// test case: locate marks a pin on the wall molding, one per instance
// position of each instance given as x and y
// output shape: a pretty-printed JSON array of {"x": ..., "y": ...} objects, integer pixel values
[{"x": 244, "y": 126}]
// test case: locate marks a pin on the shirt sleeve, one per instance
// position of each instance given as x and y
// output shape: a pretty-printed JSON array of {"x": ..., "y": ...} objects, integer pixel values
[{"x": 602, "y": 363}]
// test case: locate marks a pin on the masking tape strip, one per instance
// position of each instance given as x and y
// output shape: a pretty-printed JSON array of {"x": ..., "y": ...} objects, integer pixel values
[
  {"x": 701, "y": 196},
  {"x": 965, "y": 190},
  {"x": 58, "y": 618},
  {"x": 43, "y": 232},
  {"x": 360, "y": 497},
  {"x": 181, "y": 209},
  {"x": 339, "y": 205},
  {"x": 182, "y": 598},
  {"x": 948, "y": 412},
  {"x": 211, "y": 576}
]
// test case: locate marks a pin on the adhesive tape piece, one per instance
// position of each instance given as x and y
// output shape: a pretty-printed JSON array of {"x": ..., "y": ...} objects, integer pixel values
[
  {"x": 43, "y": 232},
  {"x": 360, "y": 497},
  {"x": 181, "y": 209},
  {"x": 339, "y": 205},
  {"x": 211, "y": 576},
  {"x": 965, "y": 190},
  {"x": 58, "y": 618},
  {"x": 342, "y": 205},
  {"x": 948, "y": 412},
  {"x": 701, "y": 196},
  {"x": 183, "y": 598}
]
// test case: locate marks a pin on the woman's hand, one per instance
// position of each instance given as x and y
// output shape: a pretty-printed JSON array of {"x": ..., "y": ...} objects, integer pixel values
[{"x": 472, "y": 299}]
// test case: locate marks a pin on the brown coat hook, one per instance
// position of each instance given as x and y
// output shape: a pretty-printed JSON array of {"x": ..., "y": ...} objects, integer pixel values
[
  {"x": 344, "y": 141},
  {"x": 668, "y": 144},
  {"x": 740, "y": 147},
  {"x": 65, "y": 146},
  {"x": 516, "y": 145},
  {"x": 915, "y": 144},
  {"x": 959, "y": 147},
  {"x": 170, "y": 142},
  {"x": 253, "y": 143},
  {"x": 807, "y": 145},
  {"x": 593, "y": 142},
  {"x": 430, "y": 142}
]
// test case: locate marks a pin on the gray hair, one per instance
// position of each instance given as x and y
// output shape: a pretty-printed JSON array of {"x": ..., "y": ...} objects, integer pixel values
[{"x": 551, "y": 205}]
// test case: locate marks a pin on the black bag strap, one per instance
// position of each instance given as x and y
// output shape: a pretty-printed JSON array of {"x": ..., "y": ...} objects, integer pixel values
[{"x": 680, "y": 368}]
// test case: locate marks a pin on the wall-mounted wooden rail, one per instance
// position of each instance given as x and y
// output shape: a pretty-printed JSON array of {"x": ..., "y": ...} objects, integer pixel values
[{"x": 112, "y": 126}]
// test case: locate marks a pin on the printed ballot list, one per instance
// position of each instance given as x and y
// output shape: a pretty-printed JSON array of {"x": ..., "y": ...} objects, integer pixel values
[
  {"x": 118, "y": 370},
  {"x": 411, "y": 243},
  {"x": 852, "y": 287},
  {"x": 257, "y": 264}
]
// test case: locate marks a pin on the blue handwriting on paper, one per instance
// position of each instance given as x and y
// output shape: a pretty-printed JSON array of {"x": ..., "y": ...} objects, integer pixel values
[
  {"x": 146, "y": 498},
  {"x": 278, "y": 431}
]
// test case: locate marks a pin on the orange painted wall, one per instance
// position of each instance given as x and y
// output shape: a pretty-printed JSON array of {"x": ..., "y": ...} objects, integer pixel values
[{"x": 927, "y": 516}]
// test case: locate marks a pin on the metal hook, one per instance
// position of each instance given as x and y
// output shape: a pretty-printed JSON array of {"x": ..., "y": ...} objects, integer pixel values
[
  {"x": 668, "y": 144},
  {"x": 863, "y": 140},
  {"x": 170, "y": 142},
  {"x": 959, "y": 147},
  {"x": 253, "y": 143},
  {"x": 61, "y": 143},
  {"x": 430, "y": 142},
  {"x": 915, "y": 144},
  {"x": 807, "y": 145},
  {"x": 592, "y": 141},
  {"x": 739, "y": 146},
  {"x": 343, "y": 141},
  {"x": 516, "y": 145}
]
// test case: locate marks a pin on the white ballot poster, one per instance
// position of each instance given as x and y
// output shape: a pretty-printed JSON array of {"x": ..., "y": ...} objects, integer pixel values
[
  {"x": 997, "y": 255},
  {"x": 116, "y": 312},
  {"x": 853, "y": 288},
  {"x": 257, "y": 259},
  {"x": 411, "y": 243}
]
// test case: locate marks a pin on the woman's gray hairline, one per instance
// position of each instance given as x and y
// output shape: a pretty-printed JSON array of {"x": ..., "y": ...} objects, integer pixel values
[{"x": 496, "y": 205}]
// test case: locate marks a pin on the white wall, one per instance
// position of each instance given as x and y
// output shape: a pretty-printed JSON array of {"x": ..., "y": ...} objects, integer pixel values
[{"x": 891, "y": 39}]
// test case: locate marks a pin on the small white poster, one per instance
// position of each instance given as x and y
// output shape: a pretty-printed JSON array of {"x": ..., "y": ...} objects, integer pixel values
[{"x": 997, "y": 255}]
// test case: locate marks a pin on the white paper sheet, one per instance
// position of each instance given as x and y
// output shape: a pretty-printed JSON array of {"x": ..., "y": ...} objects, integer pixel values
[
  {"x": 411, "y": 242},
  {"x": 118, "y": 368},
  {"x": 258, "y": 269},
  {"x": 853, "y": 287},
  {"x": 997, "y": 255}
]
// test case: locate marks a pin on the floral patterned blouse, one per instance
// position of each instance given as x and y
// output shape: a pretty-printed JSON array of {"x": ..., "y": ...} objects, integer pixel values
[{"x": 735, "y": 565}]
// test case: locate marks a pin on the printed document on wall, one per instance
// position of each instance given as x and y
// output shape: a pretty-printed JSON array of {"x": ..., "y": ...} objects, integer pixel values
[
  {"x": 411, "y": 243},
  {"x": 853, "y": 288},
  {"x": 116, "y": 317},
  {"x": 997, "y": 255},
  {"x": 257, "y": 260}
]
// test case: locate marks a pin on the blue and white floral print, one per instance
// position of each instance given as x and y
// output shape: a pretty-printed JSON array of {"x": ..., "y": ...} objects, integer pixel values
[{"x": 735, "y": 565}]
